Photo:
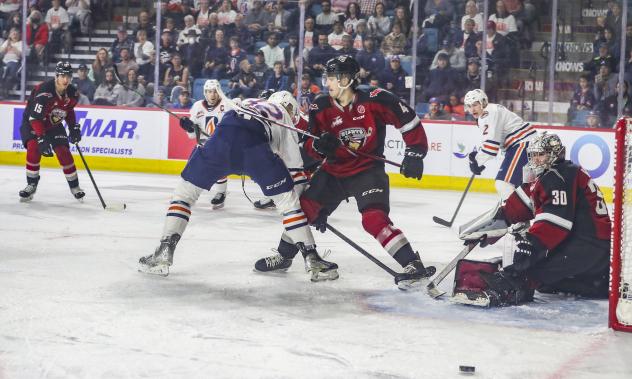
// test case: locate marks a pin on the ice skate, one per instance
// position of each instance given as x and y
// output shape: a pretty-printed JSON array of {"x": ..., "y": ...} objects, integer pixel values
[
  {"x": 158, "y": 263},
  {"x": 78, "y": 193},
  {"x": 264, "y": 203},
  {"x": 218, "y": 200},
  {"x": 27, "y": 193},
  {"x": 415, "y": 276},
  {"x": 318, "y": 268},
  {"x": 274, "y": 263}
]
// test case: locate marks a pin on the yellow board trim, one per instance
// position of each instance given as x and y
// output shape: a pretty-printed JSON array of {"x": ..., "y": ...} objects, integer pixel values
[{"x": 174, "y": 167}]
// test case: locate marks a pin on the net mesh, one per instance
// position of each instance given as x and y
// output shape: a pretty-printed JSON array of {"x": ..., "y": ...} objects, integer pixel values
[{"x": 624, "y": 304}]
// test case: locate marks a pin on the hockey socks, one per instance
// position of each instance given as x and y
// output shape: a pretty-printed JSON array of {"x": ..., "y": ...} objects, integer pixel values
[
  {"x": 68, "y": 165},
  {"x": 377, "y": 223}
]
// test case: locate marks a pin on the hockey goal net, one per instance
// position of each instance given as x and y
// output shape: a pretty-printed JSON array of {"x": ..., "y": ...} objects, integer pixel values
[{"x": 620, "y": 317}]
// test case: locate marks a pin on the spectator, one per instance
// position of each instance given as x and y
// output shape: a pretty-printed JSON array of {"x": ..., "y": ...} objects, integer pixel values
[
  {"x": 347, "y": 46},
  {"x": 395, "y": 42},
  {"x": 469, "y": 39},
  {"x": 505, "y": 22},
  {"x": 379, "y": 24},
  {"x": 374, "y": 82},
  {"x": 278, "y": 81},
  {"x": 260, "y": 69},
  {"x": 58, "y": 25},
  {"x": 394, "y": 77},
  {"x": 102, "y": 62},
  {"x": 11, "y": 52},
  {"x": 211, "y": 29},
  {"x": 352, "y": 18},
  {"x": 83, "y": 83},
  {"x": 255, "y": 18},
  {"x": 190, "y": 52},
  {"x": 203, "y": 14},
  {"x": 36, "y": 37},
  {"x": 435, "y": 112},
  {"x": 271, "y": 50},
  {"x": 605, "y": 83},
  {"x": 325, "y": 20},
  {"x": 402, "y": 17},
  {"x": 367, "y": 7},
  {"x": 613, "y": 19},
  {"x": 608, "y": 40},
  {"x": 439, "y": 12},
  {"x": 149, "y": 70},
  {"x": 80, "y": 14},
  {"x": 142, "y": 50},
  {"x": 7, "y": 8},
  {"x": 310, "y": 38},
  {"x": 107, "y": 92},
  {"x": 159, "y": 99},
  {"x": 583, "y": 98},
  {"x": 604, "y": 58},
  {"x": 145, "y": 24},
  {"x": 319, "y": 55},
  {"x": 244, "y": 84},
  {"x": 15, "y": 21},
  {"x": 609, "y": 106},
  {"x": 126, "y": 63},
  {"x": 170, "y": 27},
  {"x": 471, "y": 12},
  {"x": 225, "y": 13},
  {"x": 235, "y": 57},
  {"x": 472, "y": 78},
  {"x": 290, "y": 52},
  {"x": 189, "y": 24},
  {"x": 176, "y": 75},
  {"x": 455, "y": 108},
  {"x": 456, "y": 56},
  {"x": 167, "y": 47},
  {"x": 122, "y": 41},
  {"x": 370, "y": 59},
  {"x": 497, "y": 50},
  {"x": 361, "y": 33},
  {"x": 83, "y": 99},
  {"x": 593, "y": 120},
  {"x": 335, "y": 37},
  {"x": 184, "y": 100},
  {"x": 339, "y": 6},
  {"x": 279, "y": 20},
  {"x": 308, "y": 92},
  {"x": 134, "y": 94},
  {"x": 441, "y": 81}
]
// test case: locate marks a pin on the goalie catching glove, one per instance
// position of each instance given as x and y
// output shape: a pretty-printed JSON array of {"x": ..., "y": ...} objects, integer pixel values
[{"x": 413, "y": 163}]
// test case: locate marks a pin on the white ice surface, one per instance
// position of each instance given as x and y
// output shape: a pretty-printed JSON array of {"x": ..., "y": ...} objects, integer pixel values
[{"x": 72, "y": 304}]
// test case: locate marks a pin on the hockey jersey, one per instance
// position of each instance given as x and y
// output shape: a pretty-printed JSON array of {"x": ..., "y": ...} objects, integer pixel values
[
  {"x": 361, "y": 126},
  {"x": 206, "y": 117},
  {"x": 501, "y": 130},
  {"x": 564, "y": 202},
  {"x": 45, "y": 109}
]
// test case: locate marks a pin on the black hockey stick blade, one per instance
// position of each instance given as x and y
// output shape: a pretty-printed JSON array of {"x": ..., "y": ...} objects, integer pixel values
[{"x": 441, "y": 221}]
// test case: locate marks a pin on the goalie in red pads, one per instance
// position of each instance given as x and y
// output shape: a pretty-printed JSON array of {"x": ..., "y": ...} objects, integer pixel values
[{"x": 566, "y": 248}]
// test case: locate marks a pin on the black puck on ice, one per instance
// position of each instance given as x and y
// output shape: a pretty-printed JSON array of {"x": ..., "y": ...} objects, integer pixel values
[{"x": 467, "y": 370}]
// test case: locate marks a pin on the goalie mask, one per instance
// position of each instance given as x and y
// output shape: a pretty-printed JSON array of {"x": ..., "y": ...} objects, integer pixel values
[
  {"x": 288, "y": 102},
  {"x": 213, "y": 92},
  {"x": 543, "y": 152}
]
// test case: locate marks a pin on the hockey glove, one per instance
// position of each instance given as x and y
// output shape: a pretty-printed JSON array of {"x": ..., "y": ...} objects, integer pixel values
[
  {"x": 187, "y": 125},
  {"x": 327, "y": 145},
  {"x": 413, "y": 163},
  {"x": 44, "y": 147},
  {"x": 528, "y": 251},
  {"x": 74, "y": 133},
  {"x": 320, "y": 223},
  {"x": 474, "y": 167}
]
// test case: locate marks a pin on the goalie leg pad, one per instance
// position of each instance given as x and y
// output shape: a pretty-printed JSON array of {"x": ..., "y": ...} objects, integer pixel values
[{"x": 491, "y": 224}]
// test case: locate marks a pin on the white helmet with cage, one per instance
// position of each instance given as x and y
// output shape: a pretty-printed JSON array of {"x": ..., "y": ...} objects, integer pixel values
[
  {"x": 289, "y": 103},
  {"x": 545, "y": 144},
  {"x": 474, "y": 96},
  {"x": 212, "y": 85}
]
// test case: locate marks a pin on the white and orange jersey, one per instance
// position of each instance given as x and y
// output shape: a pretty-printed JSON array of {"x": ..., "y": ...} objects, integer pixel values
[
  {"x": 207, "y": 117},
  {"x": 501, "y": 129}
]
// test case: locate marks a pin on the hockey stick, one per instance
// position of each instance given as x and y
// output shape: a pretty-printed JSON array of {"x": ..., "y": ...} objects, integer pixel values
[
  {"x": 362, "y": 251},
  {"x": 432, "y": 288},
  {"x": 443, "y": 222},
  {"x": 117, "y": 207}
]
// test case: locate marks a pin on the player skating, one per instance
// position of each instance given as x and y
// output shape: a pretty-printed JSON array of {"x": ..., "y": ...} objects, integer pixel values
[
  {"x": 503, "y": 131},
  {"x": 351, "y": 120},
  {"x": 567, "y": 247},
  {"x": 205, "y": 115},
  {"x": 43, "y": 133},
  {"x": 269, "y": 154}
]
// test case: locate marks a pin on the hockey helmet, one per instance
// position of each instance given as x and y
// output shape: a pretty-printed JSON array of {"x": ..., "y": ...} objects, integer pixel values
[
  {"x": 266, "y": 93},
  {"x": 63, "y": 68},
  {"x": 548, "y": 145},
  {"x": 343, "y": 65},
  {"x": 288, "y": 102},
  {"x": 212, "y": 85},
  {"x": 473, "y": 96}
]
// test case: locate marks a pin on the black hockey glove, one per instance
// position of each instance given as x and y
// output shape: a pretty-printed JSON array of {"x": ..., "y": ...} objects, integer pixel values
[
  {"x": 413, "y": 163},
  {"x": 474, "y": 167},
  {"x": 320, "y": 223},
  {"x": 187, "y": 125},
  {"x": 528, "y": 251},
  {"x": 44, "y": 147},
  {"x": 74, "y": 133},
  {"x": 327, "y": 145}
]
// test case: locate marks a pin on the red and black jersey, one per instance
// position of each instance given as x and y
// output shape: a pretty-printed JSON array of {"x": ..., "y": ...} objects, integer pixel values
[
  {"x": 564, "y": 202},
  {"x": 361, "y": 126},
  {"x": 45, "y": 109}
]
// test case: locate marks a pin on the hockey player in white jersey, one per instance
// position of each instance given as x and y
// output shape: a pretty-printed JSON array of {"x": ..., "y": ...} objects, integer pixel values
[
  {"x": 205, "y": 115},
  {"x": 503, "y": 131},
  {"x": 269, "y": 154}
]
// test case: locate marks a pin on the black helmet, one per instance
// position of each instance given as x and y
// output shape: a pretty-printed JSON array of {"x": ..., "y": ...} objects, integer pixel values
[
  {"x": 343, "y": 64},
  {"x": 63, "y": 68},
  {"x": 265, "y": 94}
]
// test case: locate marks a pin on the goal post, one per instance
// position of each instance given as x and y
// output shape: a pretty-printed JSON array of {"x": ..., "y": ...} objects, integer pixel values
[{"x": 620, "y": 307}]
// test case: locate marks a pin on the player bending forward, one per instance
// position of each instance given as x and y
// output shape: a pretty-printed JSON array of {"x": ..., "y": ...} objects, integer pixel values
[
  {"x": 43, "y": 133},
  {"x": 244, "y": 144},
  {"x": 350, "y": 120},
  {"x": 567, "y": 247},
  {"x": 503, "y": 131},
  {"x": 205, "y": 116}
]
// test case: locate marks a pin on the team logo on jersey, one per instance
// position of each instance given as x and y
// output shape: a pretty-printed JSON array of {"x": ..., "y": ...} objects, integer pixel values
[
  {"x": 361, "y": 109},
  {"x": 354, "y": 138},
  {"x": 57, "y": 115},
  {"x": 375, "y": 92},
  {"x": 337, "y": 121},
  {"x": 211, "y": 123},
  {"x": 313, "y": 106}
]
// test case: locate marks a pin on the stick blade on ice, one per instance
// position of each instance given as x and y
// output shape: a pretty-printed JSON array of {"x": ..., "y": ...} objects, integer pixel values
[{"x": 441, "y": 221}]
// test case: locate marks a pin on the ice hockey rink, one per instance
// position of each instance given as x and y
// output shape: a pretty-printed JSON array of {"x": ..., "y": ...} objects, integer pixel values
[{"x": 72, "y": 304}]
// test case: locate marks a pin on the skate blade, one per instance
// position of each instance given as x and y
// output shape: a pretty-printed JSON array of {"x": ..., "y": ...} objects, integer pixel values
[
  {"x": 462, "y": 298},
  {"x": 161, "y": 270},
  {"x": 26, "y": 199},
  {"x": 320, "y": 276},
  {"x": 433, "y": 291},
  {"x": 218, "y": 206},
  {"x": 413, "y": 285},
  {"x": 277, "y": 272}
]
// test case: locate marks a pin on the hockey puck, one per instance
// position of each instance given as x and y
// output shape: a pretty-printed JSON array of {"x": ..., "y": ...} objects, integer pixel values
[{"x": 467, "y": 370}]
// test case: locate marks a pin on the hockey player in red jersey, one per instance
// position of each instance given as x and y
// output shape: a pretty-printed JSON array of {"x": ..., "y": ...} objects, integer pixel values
[
  {"x": 350, "y": 120},
  {"x": 566, "y": 248},
  {"x": 43, "y": 133}
]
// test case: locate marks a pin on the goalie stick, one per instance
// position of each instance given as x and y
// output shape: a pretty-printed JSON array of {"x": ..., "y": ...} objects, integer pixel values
[
  {"x": 443, "y": 222},
  {"x": 432, "y": 288}
]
